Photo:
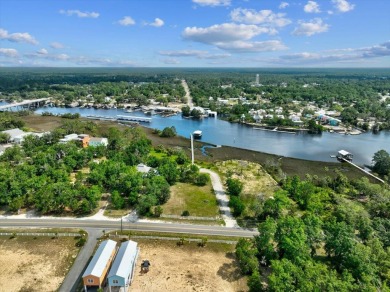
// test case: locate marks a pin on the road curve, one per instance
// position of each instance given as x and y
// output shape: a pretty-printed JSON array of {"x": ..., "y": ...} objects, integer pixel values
[{"x": 116, "y": 224}]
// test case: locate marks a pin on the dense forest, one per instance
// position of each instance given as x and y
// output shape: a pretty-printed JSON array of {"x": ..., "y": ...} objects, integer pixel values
[
  {"x": 55, "y": 178},
  {"x": 321, "y": 236},
  {"x": 356, "y": 93}
]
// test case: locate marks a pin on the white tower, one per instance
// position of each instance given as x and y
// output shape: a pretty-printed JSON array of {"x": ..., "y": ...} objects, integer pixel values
[{"x": 257, "y": 79}]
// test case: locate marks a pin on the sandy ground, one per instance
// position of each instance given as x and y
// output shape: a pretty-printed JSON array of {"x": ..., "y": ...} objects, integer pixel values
[
  {"x": 28, "y": 264},
  {"x": 187, "y": 268}
]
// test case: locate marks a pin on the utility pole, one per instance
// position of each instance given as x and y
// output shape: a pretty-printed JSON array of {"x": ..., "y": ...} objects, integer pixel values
[
  {"x": 192, "y": 148},
  {"x": 121, "y": 225}
]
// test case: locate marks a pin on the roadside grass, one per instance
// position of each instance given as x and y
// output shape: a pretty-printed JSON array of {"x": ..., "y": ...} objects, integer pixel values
[
  {"x": 114, "y": 213},
  {"x": 41, "y": 230},
  {"x": 218, "y": 222},
  {"x": 134, "y": 234},
  {"x": 198, "y": 201},
  {"x": 212, "y": 246}
]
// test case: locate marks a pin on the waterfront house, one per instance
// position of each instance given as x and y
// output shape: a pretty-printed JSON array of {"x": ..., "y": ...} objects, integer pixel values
[
  {"x": 17, "y": 136},
  {"x": 97, "y": 269},
  {"x": 122, "y": 271},
  {"x": 97, "y": 141},
  {"x": 68, "y": 138}
]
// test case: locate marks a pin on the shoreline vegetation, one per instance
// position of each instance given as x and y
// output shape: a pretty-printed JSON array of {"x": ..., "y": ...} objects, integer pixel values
[{"x": 276, "y": 165}]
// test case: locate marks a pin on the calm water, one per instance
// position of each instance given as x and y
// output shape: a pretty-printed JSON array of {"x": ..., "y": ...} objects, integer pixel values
[{"x": 302, "y": 145}]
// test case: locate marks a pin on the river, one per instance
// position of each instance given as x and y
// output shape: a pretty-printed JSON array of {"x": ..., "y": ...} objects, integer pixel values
[{"x": 219, "y": 132}]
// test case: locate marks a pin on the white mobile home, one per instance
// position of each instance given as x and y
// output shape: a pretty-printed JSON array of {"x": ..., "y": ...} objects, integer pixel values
[{"x": 123, "y": 268}]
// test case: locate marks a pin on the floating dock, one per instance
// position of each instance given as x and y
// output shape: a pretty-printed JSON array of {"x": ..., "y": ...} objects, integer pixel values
[
  {"x": 121, "y": 118},
  {"x": 274, "y": 130},
  {"x": 133, "y": 119}
]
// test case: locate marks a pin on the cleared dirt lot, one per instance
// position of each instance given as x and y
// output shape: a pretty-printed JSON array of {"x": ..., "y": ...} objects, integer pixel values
[
  {"x": 28, "y": 264},
  {"x": 187, "y": 268}
]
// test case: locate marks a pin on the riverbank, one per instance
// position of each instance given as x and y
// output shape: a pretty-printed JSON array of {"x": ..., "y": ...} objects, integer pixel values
[{"x": 289, "y": 166}]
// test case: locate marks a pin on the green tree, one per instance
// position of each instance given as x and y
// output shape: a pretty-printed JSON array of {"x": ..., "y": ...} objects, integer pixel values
[
  {"x": 168, "y": 169},
  {"x": 237, "y": 205},
  {"x": 168, "y": 132},
  {"x": 234, "y": 186},
  {"x": 117, "y": 200},
  {"x": 381, "y": 161},
  {"x": 186, "y": 111},
  {"x": 246, "y": 255}
]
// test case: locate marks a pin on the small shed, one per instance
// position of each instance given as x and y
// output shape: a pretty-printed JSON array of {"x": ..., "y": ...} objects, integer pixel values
[
  {"x": 122, "y": 271},
  {"x": 97, "y": 269}
]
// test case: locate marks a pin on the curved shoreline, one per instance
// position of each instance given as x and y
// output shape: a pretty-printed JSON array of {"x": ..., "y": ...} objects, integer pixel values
[{"x": 290, "y": 166}]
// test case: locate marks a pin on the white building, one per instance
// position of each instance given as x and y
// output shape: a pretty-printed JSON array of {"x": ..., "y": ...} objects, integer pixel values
[{"x": 122, "y": 271}]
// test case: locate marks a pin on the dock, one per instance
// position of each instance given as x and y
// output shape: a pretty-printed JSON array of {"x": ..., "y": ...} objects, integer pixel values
[
  {"x": 133, "y": 119},
  {"x": 120, "y": 118},
  {"x": 274, "y": 130},
  {"x": 365, "y": 171}
]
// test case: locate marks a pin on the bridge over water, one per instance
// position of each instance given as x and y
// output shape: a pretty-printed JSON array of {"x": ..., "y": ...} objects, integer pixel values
[{"x": 33, "y": 102}]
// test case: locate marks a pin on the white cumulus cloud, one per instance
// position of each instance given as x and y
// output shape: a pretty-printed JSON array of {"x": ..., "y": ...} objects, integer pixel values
[
  {"x": 126, "y": 21},
  {"x": 80, "y": 14},
  {"x": 193, "y": 53},
  {"x": 251, "y": 16},
  {"x": 343, "y": 5},
  {"x": 17, "y": 37},
  {"x": 212, "y": 2},
  {"x": 337, "y": 55},
  {"x": 42, "y": 52},
  {"x": 8, "y": 52},
  {"x": 56, "y": 45},
  {"x": 225, "y": 32},
  {"x": 310, "y": 28},
  {"x": 233, "y": 37},
  {"x": 248, "y": 47},
  {"x": 157, "y": 22},
  {"x": 283, "y": 5},
  {"x": 312, "y": 7}
]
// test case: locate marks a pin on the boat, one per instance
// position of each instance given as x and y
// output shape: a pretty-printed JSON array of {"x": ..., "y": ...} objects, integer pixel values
[{"x": 197, "y": 134}]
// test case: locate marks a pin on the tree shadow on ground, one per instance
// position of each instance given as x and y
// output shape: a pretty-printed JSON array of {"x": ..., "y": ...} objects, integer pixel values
[{"x": 230, "y": 271}]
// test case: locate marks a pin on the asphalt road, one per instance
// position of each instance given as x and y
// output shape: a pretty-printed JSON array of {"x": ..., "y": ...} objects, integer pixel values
[
  {"x": 95, "y": 228},
  {"x": 141, "y": 226},
  {"x": 73, "y": 277}
]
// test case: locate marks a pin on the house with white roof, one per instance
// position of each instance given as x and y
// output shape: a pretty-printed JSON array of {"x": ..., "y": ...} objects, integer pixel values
[
  {"x": 96, "y": 272},
  {"x": 122, "y": 271}
]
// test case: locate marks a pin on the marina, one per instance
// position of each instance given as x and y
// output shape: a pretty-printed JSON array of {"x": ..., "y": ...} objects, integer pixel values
[{"x": 219, "y": 132}]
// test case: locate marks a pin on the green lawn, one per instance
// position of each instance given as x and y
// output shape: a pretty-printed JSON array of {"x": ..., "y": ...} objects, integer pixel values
[{"x": 199, "y": 201}]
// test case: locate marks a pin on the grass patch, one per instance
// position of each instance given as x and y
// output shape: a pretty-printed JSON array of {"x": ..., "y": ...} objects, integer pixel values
[
  {"x": 131, "y": 234},
  {"x": 198, "y": 201},
  {"x": 189, "y": 221},
  {"x": 114, "y": 213}
]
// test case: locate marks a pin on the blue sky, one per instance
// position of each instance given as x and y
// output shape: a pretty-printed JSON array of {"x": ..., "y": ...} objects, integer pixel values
[{"x": 195, "y": 33}]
